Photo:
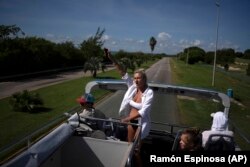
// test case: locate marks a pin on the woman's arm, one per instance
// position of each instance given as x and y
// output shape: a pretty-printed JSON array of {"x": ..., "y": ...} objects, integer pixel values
[
  {"x": 131, "y": 117},
  {"x": 121, "y": 70}
]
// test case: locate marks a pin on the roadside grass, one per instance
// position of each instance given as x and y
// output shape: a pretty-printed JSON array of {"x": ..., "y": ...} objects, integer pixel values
[
  {"x": 58, "y": 99},
  {"x": 197, "y": 112}
]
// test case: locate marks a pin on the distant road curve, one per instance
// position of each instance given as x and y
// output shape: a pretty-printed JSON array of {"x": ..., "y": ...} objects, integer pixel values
[{"x": 8, "y": 88}]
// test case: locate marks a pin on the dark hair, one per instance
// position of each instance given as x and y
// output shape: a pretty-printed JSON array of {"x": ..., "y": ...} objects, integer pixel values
[{"x": 195, "y": 138}]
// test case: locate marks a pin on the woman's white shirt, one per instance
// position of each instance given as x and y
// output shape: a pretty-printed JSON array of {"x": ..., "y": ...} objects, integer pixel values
[{"x": 146, "y": 101}]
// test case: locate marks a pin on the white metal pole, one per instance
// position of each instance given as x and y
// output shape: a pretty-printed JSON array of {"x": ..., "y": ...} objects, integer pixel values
[
  {"x": 217, "y": 29},
  {"x": 187, "y": 56}
]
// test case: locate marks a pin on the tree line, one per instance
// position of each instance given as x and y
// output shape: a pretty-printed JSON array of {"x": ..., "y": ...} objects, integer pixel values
[
  {"x": 224, "y": 57},
  {"x": 20, "y": 54},
  {"x": 31, "y": 54}
]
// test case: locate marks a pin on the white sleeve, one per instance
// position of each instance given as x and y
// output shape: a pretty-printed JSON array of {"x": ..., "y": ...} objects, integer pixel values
[
  {"x": 146, "y": 105},
  {"x": 128, "y": 79}
]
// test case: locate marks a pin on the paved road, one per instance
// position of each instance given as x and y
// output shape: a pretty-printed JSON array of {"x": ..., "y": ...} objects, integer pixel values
[
  {"x": 164, "y": 106},
  {"x": 163, "y": 109},
  {"x": 8, "y": 88}
]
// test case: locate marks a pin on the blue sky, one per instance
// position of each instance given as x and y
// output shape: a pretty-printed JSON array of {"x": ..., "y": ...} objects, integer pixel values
[{"x": 129, "y": 24}]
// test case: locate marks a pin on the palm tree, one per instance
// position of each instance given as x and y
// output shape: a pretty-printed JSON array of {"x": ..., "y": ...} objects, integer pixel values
[
  {"x": 91, "y": 49},
  {"x": 92, "y": 65},
  {"x": 127, "y": 63},
  {"x": 152, "y": 43}
]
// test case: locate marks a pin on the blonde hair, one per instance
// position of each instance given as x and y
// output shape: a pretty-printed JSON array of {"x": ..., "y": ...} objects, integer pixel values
[{"x": 142, "y": 72}]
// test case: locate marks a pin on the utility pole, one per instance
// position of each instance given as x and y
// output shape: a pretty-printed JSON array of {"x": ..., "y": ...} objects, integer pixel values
[
  {"x": 187, "y": 56},
  {"x": 217, "y": 29}
]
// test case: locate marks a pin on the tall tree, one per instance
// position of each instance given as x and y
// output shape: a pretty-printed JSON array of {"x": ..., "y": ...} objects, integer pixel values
[
  {"x": 7, "y": 31},
  {"x": 93, "y": 52},
  {"x": 152, "y": 43},
  {"x": 92, "y": 65},
  {"x": 246, "y": 54}
]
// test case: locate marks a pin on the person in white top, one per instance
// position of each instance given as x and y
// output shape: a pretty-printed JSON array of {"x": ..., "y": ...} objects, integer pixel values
[
  {"x": 219, "y": 121},
  {"x": 137, "y": 101},
  {"x": 136, "y": 104},
  {"x": 219, "y": 126}
]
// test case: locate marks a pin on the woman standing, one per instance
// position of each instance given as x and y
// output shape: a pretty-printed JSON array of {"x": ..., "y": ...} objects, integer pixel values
[{"x": 137, "y": 101}]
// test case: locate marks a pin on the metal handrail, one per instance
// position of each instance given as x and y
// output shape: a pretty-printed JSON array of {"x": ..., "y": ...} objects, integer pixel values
[{"x": 27, "y": 138}]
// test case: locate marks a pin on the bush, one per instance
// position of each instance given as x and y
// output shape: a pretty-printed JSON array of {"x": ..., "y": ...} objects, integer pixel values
[
  {"x": 25, "y": 101},
  {"x": 226, "y": 67},
  {"x": 248, "y": 70}
]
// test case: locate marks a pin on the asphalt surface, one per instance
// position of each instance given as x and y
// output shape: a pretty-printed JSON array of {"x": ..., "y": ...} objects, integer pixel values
[{"x": 8, "y": 88}]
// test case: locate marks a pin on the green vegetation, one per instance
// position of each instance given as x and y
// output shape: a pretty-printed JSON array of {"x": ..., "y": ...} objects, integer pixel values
[
  {"x": 226, "y": 58},
  {"x": 196, "y": 112},
  {"x": 26, "y": 101},
  {"x": 32, "y": 54},
  {"x": 20, "y": 56},
  {"x": 57, "y": 99},
  {"x": 92, "y": 49},
  {"x": 7, "y": 31},
  {"x": 131, "y": 61}
]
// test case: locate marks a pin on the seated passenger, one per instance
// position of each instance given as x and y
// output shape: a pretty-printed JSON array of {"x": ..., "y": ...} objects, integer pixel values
[
  {"x": 220, "y": 122},
  {"x": 190, "y": 140},
  {"x": 87, "y": 104},
  {"x": 219, "y": 127}
]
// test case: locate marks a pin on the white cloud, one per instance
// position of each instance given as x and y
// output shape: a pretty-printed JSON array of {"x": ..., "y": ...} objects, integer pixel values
[
  {"x": 163, "y": 36},
  {"x": 223, "y": 45},
  {"x": 184, "y": 43},
  {"x": 105, "y": 37},
  {"x": 50, "y": 35},
  {"x": 141, "y": 41},
  {"x": 58, "y": 38},
  {"x": 129, "y": 39},
  {"x": 211, "y": 45},
  {"x": 89, "y": 35},
  {"x": 196, "y": 42}
]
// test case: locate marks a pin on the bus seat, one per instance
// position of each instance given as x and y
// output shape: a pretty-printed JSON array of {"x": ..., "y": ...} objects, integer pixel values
[{"x": 220, "y": 142}]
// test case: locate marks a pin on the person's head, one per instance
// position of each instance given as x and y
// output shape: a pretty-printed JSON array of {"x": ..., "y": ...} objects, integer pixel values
[
  {"x": 140, "y": 78},
  {"x": 219, "y": 121},
  {"x": 87, "y": 100},
  {"x": 190, "y": 140}
]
